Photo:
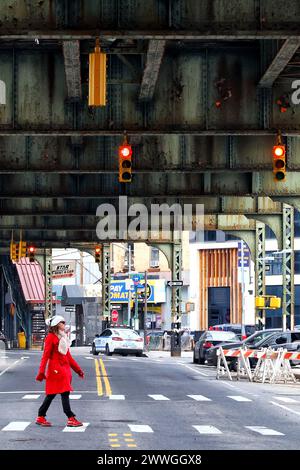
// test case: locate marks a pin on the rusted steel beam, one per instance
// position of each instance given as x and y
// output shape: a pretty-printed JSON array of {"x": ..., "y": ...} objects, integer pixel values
[
  {"x": 146, "y": 132},
  {"x": 71, "y": 52},
  {"x": 69, "y": 34},
  {"x": 279, "y": 62},
  {"x": 155, "y": 54}
]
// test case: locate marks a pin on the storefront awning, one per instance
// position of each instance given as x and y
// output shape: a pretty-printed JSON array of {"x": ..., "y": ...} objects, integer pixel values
[{"x": 32, "y": 281}]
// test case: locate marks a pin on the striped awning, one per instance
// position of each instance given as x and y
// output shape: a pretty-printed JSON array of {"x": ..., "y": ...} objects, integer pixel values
[{"x": 32, "y": 280}]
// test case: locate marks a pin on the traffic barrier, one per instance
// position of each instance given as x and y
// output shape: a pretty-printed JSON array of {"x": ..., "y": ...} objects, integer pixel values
[{"x": 273, "y": 366}]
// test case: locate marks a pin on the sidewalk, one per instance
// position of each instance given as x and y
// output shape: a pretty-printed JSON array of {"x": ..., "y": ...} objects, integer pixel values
[{"x": 165, "y": 354}]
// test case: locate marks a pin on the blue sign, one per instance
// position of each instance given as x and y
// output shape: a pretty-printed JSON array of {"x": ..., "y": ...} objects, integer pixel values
[
  {"x": 119, "y": 292},
  {"x": 246, "y": 256}
]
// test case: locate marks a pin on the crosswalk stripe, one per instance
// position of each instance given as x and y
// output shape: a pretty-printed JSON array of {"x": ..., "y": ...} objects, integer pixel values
[
  {"x": 264, "y": 431},
  {"x": 207, "y": 430},
  {"x": 159, "y": 397},
  {"x": 286, "y": 399},
  {"x": 140, "y": 428},
  {"x": 30, "y": 397},
  {"x": 16, "y": 426},
  {"x": 238, "y": 398},
  {"x": 199, "y": 398},
  {"x": 117, "y": 397},
  {"x": 75, "y": 397},
  {"x": 79, "y": 429}
]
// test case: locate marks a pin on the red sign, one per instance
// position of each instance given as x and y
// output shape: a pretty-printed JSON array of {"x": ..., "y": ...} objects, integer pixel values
[{"x": 114, "y": 315}]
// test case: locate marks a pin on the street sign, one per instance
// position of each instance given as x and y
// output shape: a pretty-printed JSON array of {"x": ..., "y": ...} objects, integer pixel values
[
  {"x": 114, "y": 315},
  {"x": 175, "y": 283},
  {"x": 69, "y": 309}
]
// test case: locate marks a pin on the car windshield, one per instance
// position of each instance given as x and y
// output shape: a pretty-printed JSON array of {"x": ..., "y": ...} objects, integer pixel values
[
  {"x": 257, "y": 337},
  {"x": 222, "y": 336},
  {"x": 126, "y": 334}
]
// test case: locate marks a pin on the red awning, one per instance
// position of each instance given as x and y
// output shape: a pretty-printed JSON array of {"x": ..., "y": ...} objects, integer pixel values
[{"x": 32, "y": 281}]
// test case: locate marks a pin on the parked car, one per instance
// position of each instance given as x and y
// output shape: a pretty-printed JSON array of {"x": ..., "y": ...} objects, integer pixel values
[
  {"x": 118, "y": 340},
  {"x": 237, "y": 328},
  {"x": 260, "y": 339},
  {"x": 3, "y": 342},
  {"x": 209, "y": 339}
]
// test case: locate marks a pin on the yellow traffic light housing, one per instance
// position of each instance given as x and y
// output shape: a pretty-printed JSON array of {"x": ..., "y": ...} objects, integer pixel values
[
  {"x": 279, "y": 162},
  {"x": 97, "y": 254},
  {"x": 14, "y": 251},
  {"x": 125, "y": 163},
  {"x": 31, "y": 253},
  {"x": 275, "y": 302},
  {"x": 97, "y": 77},
  {"x": 259, "y": 302},
  {"x": 22, "y": 249}
]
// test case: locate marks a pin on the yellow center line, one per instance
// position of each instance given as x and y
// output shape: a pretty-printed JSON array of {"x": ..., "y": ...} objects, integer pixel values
[
  {"x": 98, "y": 379},
  {"x": 129, "y": 440},
  {"x": 112, "y": 434},
  {"x": 115, "y": 445},
  {"x": 131, "y": 445},
  {"x": 105, "y": 378},
  {"x": 113, "y": 440},
  {"x": 127, "y": 434}
]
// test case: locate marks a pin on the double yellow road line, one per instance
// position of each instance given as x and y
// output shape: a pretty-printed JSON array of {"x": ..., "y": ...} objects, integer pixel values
[{"x": 102, "y": 378}]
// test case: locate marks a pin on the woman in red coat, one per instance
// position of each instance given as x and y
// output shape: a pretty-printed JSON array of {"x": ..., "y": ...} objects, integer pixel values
[{"x": 59, "y": 375}]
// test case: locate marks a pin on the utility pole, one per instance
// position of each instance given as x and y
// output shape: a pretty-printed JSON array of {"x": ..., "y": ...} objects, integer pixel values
[
  {"x": 243, "y": 289},
  {"x": 145, "y": 310},
  {"x": 129, "y": 290}
]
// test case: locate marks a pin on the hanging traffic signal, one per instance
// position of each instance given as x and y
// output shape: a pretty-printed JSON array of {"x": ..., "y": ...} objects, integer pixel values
[
  {"x": 97, "y": 254},
  {"x": 22, "y": 249},
  {"x": 31, "y": 253},
  {"x": 97, "y": 77},
  {"x": 279, "y": 162},
  {"x": 14, "y": 251},
  {"x": 125, "y": 167}
]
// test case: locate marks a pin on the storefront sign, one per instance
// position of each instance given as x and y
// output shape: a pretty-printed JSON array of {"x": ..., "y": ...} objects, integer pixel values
[
  {"x": 156, "y": 291},
  {"x": 63, "y": 269}
]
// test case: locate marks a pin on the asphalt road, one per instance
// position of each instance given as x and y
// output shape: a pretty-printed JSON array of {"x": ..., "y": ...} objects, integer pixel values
[{"x": 146, "y": 403}]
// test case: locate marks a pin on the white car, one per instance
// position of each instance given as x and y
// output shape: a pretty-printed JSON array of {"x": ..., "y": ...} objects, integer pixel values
[{"x": 118, "y": 340}]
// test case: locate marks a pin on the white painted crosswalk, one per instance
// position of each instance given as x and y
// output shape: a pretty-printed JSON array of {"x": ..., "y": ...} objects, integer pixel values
[
  {"x": 117, "y": 397},
  {"x": 79, "y": 429},
  {"x": 16, "y": 426},
  {"x": 159, "y": 397},
  {"x": 199, "y": 398},
  {"x": 238, "y": 398},
  {"x": 140, "y": 428},
  {"x": 30, "y": 397},
  {"x": 207, "y": 429},
  {"x": 264, "y": 431},
  {"x": 286, "y": 400}
]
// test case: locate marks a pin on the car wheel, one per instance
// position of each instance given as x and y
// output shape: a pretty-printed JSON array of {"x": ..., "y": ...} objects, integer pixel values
[
  {"x": 139, "y": 354},
  {"x": 124, "y": 354},
  {"x": 194, "y": 358},
  {"x": 95, "y": 353},
  {"x": 201, "y": 359},
  {"x": 73, "y": 343},
  {"x": 107, "y": 351}
]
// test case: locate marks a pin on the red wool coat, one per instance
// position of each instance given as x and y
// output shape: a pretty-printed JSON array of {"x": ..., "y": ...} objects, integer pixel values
[{"x": 59, "y": 375}]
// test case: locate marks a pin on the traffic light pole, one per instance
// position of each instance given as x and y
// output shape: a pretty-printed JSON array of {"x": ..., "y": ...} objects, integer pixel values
[
  {"x": 288, "y": 271},
  {"x": 260, "y": 271},
  {"x": 48, "y": 282},
  {"x": 105, "y": 283}
]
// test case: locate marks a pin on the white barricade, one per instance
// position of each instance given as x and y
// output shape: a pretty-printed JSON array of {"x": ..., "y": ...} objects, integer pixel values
[{"x": 273, "y": 366}]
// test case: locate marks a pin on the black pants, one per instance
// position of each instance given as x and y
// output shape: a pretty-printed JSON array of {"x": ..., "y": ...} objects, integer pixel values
[{"x": 65, "y": 399}]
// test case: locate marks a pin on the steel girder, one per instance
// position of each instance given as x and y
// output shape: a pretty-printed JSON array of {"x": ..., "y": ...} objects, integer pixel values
[
  {"x": 288, "y": 268},
  {"x": 153, "y": 61},
  {"x": 106, "y": 276}
]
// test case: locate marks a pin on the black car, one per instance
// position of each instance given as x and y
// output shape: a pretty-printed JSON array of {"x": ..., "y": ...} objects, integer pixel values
[
  {"x": 260, "y": 339},
  {"x": 237, "y": 328},
  {"x": 210, "y": 339}
]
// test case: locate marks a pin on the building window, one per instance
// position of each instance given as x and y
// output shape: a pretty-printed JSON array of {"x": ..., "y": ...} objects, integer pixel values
[
  {"x": 297, "y": 223},
  {"x": 126, "y": 258},
  {"x": 273, "y": 267},
  {"x": 154, "y": 257},
  {"x": 210, "y": 236}
]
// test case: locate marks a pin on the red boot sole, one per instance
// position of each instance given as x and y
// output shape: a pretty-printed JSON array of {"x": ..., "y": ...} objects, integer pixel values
[{"x": 44, "y": 425}]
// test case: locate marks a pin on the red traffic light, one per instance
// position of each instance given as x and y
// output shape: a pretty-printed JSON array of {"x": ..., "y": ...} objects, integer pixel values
[
  {"x": 98, "y": 250},
  {"x": 278, "y": 151},
  {"x": 125, "y": 151},
  {"x": 31, "y": 249}
]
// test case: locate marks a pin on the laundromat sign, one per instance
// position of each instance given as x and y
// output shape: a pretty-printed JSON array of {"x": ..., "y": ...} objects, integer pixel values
[
  {"x": 63, "y": 269},
  {"x": 156, "y": 291}
]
